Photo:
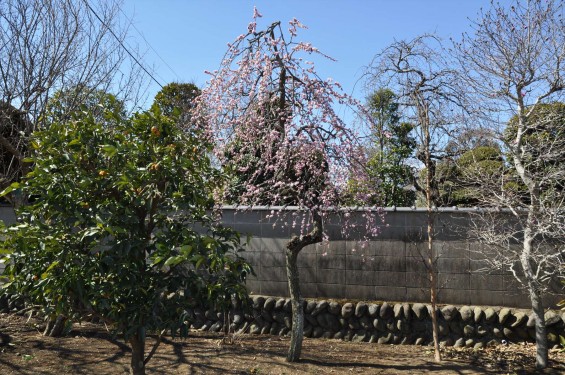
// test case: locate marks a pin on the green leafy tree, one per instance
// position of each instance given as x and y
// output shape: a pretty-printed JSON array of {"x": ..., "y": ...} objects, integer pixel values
[
  {"x": 103, "y": 106},
  {"x": 391, "y": 147},
  {"x": 459, "y": 178},
  {"x": 121, "y": 228},
  {"x": 177, "y": 100}
]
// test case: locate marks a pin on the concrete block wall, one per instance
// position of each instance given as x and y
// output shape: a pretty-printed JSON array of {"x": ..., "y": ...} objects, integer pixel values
[{"x": 391, "y": 267}]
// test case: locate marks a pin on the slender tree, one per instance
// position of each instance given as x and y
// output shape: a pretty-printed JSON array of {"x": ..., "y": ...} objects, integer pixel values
[
  {"x": 514, "y": 63},
  {"x": 267, "y": 105},
  {"x": 427, "y": 92}
]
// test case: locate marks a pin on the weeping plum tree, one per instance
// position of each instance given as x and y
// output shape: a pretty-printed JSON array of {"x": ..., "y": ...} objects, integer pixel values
[
  {"x": 514, "y": 64},
  {"x": 276, "y": 130}
]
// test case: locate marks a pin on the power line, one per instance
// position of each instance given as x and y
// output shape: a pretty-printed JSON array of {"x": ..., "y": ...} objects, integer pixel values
[
  {"x": 147, "y": 43},
  {"x": 122, "y": 44}
]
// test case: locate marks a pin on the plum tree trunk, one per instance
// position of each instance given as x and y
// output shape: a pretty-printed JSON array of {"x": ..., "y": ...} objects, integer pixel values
[
  {"x": 297, "y": 331},
  {"x": 293, "y": 248},
  {"x": 137, "y": 364}
]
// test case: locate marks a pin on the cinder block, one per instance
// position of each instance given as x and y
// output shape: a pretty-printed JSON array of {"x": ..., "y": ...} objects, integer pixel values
[
  {"x": 272, "y": 245},
  {"x": 247, "y": 216},
  {"x": 390, "y": 263},
  {"x": 416, "y": 249},
  {"x": 452, "y": 265},
  {"x": 268, "y": 274},
  {"x": 245, "y": 229},
  {"x": 416, "y": 219},
  {"x": 307, "y": 275},
  {"x": 511, "y": 285},
  {"x": 274, "y": 288},
  {"x": 338, "y": 247},
  {"x": 330, "y": 276},
  {"x": 334, "y": 232},
  {"x": 417, "y": 280},
  {"x": 253, "y": 244},
  {"x": 516, "y": 300},
  {"x": 416, "y": 264},
  {"x": 357, "y": 277},
  {"x": 392, "y": 279},
  {"x": 227, "y": 217},
  {"x": 268, "y": 230},
  {"x": 390, "y": 293},
  {"x": 421, "y": 295},
  {"x": 307, "y": 260},
  {"x": 452, "y": 249},
  {"x": 395, "y": 219},
  {"x": 486, "y": 282},
  {"x": 360, "y": 292},
  {"x": 309, "y": 290},
  {"x": 273, "y": 259},
  {"x": 453, "y": 296},
  {"x": 310, "y": 249},
  {"x": 389, "y": 248},
  {"x": 479, "y": 266},
  {"x": 486, "y": 298},
  {"x": 331, "y": 291},
  {"x": 252, "y": 257},
  {"x": 357, "y": 262},
  {"x": 253, "y": 287},
  {"x": 550, "y": 301},
  {"x": 331, "y": 261},
  {"x": 391, "y": 233},
  {"x": 457, "y": 281}
]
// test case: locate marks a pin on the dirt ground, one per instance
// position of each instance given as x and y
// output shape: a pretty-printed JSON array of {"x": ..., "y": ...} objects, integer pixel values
[{"x": 89, "y": 349}]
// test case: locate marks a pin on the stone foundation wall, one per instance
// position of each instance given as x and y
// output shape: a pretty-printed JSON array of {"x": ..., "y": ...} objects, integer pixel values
[{"x": 384, "y": 323}]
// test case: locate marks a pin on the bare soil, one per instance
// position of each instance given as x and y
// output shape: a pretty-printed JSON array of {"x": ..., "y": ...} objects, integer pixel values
[{"x": 90, "y": 349}]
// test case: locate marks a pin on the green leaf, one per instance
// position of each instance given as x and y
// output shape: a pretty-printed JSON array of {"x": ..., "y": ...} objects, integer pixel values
[
  {"x": 186, "y": 250},
  {"x": 199, "y": 262},
  {"x": 174, "y": 260},
  {"x": 109, "y": 150},
  {"x": 13, "y": 186}
]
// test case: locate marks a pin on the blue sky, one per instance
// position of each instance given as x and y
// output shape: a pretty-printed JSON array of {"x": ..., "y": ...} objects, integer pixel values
[{"x": 190, "y": 36}]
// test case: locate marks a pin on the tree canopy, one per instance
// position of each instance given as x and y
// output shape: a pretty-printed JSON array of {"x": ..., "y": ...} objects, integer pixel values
[{"x": 121, "y": 228}]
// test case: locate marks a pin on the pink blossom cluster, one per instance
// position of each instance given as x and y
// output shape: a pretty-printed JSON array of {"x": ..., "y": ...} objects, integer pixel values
[{"x": 272, "y": 119}]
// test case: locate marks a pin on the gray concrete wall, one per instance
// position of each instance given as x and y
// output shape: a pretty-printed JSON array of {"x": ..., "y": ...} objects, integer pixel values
[{"x": 390, "y": 268}]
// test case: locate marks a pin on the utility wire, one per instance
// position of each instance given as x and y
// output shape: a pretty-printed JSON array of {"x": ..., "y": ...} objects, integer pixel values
[
  {"x": 147, "y": 43},
  {"x": 122, "y": 44}
]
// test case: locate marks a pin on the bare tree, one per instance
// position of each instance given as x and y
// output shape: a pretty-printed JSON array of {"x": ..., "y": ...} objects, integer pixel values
[
  {"x": 48, "y": 45},
  {"x": 427, "y": 93},
  {"x": 514, "y": 68}
]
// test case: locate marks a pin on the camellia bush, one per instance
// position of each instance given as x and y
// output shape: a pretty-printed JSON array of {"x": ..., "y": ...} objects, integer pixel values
[{"x": 120, "y": 228}]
